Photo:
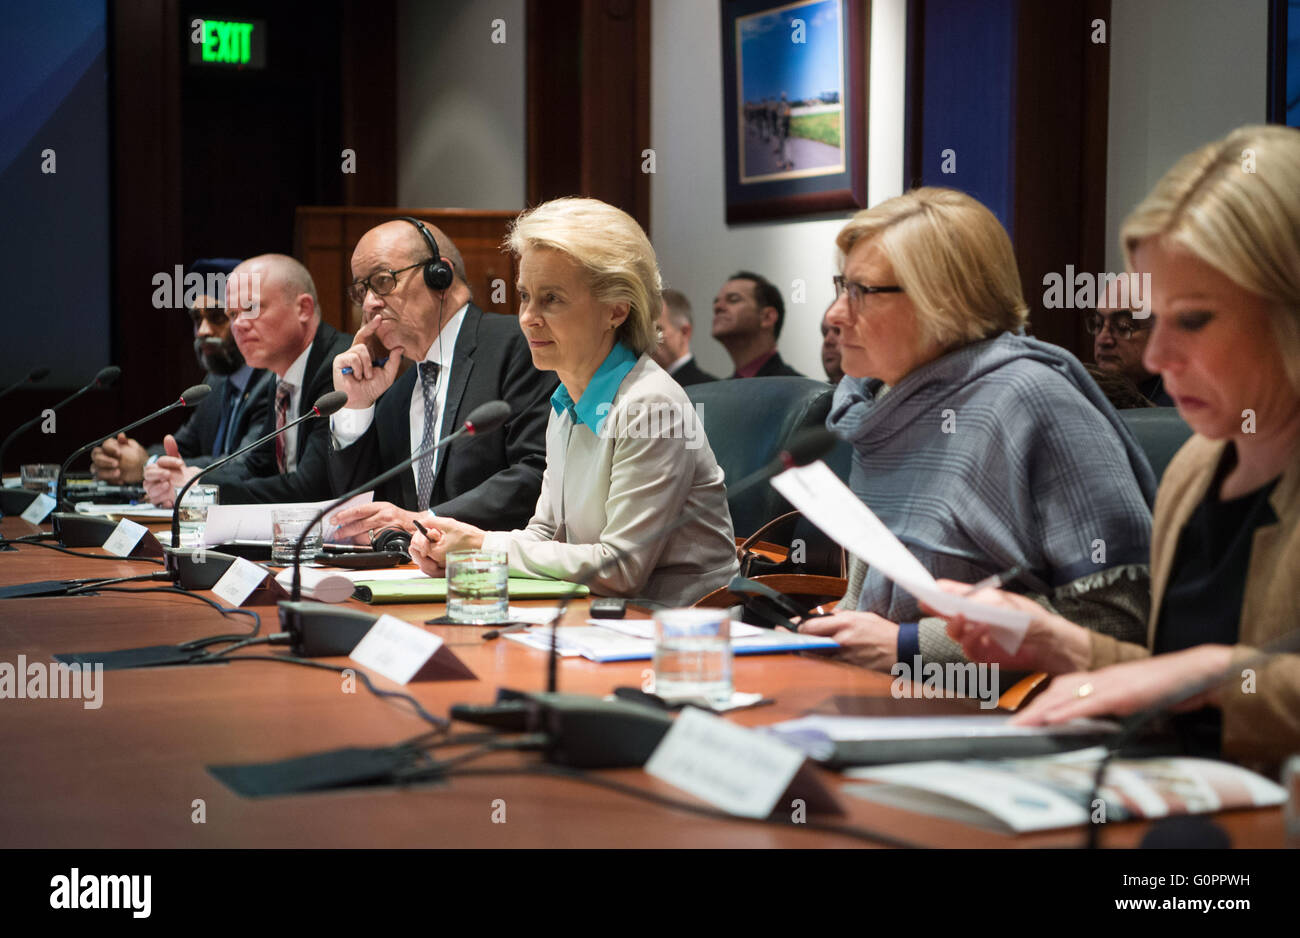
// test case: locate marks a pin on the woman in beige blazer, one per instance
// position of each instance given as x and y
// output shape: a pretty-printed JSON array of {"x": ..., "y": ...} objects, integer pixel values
[
  {"x": 626, "y": 455},
  {"x": 1219, "y": 236}
]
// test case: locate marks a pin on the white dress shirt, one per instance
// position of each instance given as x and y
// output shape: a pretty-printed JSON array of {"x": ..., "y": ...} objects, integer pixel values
[
  {"x": 295, "y": 375},
  {"x": 348, "y": 425},
  {"x": 672, "y": 369}
]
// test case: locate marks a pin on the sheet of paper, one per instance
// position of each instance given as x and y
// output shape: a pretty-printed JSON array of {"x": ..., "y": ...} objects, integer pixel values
[
  {"x": 143, "y": 510},
  {"x": 831, "y": 505},
  {"x": 239, "y": 581},
  {"x": 356, "y": 576},
  {"x": 227, "y": 523},
  {"x": 541, "y": 640},
  {"x": 124, "y": 537},
  {"x": 536, "y": 615},
  {"x": 39, "y": 509}
]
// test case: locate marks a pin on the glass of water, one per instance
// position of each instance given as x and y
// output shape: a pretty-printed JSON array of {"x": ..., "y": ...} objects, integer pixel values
[
  {"x": 477, "y": 592},
  {"x": 287, "y": 525},
  {"x": 39, "y": 477},
  {"x": 193, "y": 513},
  {"x": 693, "y": 654}
]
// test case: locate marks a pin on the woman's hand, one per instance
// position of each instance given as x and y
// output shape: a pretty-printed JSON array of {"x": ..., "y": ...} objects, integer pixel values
[
  {"x": 1051, "y": 643},
  {"x": 1124, "y": 689},
  {"x": 445, "y": 535},
  {"x": 869, "y": 640}
]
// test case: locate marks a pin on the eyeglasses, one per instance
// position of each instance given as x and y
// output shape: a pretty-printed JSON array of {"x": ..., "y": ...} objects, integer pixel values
[
  {"x": 215, "y": 315},
  {"x": 858, "y": 291},
  {"x": 380, "y": 283},
  {"x": 1121, "y": 324}
]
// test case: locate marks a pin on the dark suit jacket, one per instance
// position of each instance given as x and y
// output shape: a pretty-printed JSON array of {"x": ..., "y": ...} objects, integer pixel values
[
  {"x": 774, "y": 367},
  {"x": 491, "y": 481},
  {"x": 259, "y": 480},
  {"x": 197, "y": 434},
  {"x": 691, "y": 373}
]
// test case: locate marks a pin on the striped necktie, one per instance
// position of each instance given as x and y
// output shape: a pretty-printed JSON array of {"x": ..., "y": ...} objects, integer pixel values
[
  {"x": 424, "y": 474},
  {"x": 283, "y": 390}
]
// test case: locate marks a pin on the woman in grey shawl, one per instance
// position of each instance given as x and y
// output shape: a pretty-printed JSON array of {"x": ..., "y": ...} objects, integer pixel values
[{"x": 980, "y": 448}]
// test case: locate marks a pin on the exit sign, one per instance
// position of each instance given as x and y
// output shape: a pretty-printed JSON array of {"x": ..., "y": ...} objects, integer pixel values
[{"x": 227, "y": 43}]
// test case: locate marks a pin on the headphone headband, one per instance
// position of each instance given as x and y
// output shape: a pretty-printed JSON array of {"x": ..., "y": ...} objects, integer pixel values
[{"x": 438, "y": 274}]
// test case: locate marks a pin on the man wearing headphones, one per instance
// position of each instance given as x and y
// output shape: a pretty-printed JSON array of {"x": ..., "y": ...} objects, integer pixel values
[{"x": 409, "y": 280}]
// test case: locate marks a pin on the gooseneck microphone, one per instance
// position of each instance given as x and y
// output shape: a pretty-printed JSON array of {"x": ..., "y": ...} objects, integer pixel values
[
  {"x": 189, "y": 398},
  {"x": 325, "y": 405},
  {"x": 106, "y": 378},
  {"x": 33, "y": 376},
  {"x": 482, "y": 419}
]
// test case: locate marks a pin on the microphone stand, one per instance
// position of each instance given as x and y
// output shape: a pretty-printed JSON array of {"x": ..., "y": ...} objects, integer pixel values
[
  {"x": 33, "y": 376},
  {"x": 93, "y": 385},
  {"x": 195, "y": 394},
  {"x": 1287, "y": 642},
  {"x": 322, "y": 408}
]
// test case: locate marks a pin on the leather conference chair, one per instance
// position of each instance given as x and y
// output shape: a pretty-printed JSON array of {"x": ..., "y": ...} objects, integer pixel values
[
  {"x": 749, "y": 421},
  {"x": 1159, "y": 431}
]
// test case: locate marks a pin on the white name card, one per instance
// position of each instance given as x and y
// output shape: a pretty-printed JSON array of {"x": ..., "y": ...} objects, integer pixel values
[
  {"x": 400, "y": 651},
  {"x": 124, "y": 537},
  {"x": 239, "y": 581},
  {"x": 729, "y": 766},
  {"x": 39, "y": 509}
]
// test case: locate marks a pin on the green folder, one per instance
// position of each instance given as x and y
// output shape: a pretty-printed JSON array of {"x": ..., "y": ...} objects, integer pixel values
[{"x": 434, "y": 589}]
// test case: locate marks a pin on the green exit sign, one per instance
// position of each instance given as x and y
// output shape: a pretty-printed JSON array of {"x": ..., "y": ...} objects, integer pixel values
[{"x": 227, "y": 43}]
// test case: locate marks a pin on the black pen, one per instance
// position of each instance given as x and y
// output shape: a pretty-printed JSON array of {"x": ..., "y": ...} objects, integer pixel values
[{"x": 998, "y": 580}]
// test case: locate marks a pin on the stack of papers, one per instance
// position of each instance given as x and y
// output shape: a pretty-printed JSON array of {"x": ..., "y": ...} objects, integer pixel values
[{"x": 633, "y": 640}]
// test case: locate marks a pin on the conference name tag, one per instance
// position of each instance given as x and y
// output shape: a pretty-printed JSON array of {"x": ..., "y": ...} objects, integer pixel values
[
  {"x": 39, "y": 509},
  {"x": 124, "y": 537},
  {"x": 733, "y": 768},
  {"x": 396, "y": 649},
  {"x": 239, "y": 581}
]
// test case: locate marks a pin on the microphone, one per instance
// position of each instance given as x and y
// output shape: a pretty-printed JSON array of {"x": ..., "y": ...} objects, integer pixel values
[
  {"x": 189, "y": 397},
  {"x": 1287, "y": 642},
  {"x": 33, "y": 376},
  {"x": 572, "y": 721},
  {"x": 482, "y": 420},
  {"x": 325, "y": 405},
  {"x": 106, "y": 378}
]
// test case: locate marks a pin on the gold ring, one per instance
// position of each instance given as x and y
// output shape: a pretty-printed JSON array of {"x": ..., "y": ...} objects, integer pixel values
[{"x": 1084, "y": 689}]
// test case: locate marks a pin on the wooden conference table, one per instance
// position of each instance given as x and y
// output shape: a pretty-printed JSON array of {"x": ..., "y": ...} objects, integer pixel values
[{"x": 129, "y": 774}]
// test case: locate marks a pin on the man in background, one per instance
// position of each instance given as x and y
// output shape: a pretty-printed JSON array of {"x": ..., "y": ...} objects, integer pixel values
[
  {"x": 831, "y": 350},
  {"x": 1117, "y": 346},
  {"x": 676, "y": 326},
  {"x": 225, "y": 419},
  {"x": 275, "y": 319},
  {"x": 748, "y": 313}
]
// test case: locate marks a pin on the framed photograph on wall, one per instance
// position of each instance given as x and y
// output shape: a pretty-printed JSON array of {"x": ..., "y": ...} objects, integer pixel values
[{"x": 794, "y": 105}]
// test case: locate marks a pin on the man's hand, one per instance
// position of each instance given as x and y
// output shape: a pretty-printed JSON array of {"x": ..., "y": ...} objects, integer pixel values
[
  {"x": 447, "y": 535},
  {"x": 164, "y": 477},
  {"x": 119, "y": 460},
  {"x": 869, "y": 640},
  {"x": 367, "y": 380},
  {"x": 1124, "y": 689},
  {"x": 359, "y": 521}
]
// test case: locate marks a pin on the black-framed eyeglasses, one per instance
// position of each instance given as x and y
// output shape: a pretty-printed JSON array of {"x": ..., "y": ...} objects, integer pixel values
[
  {"x": 215, "y": 315},
  {"x": 858, "y": 291},
  {"x": 1122, "y": 324},
  {"x": 380, "y": 283}
]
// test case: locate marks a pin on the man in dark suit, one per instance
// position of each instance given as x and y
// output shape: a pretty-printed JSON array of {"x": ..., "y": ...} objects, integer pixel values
[
  {"x": 410, "y": 284},
  {"x": 673, "y": 354},
  {"x": 748, "y": 313},
  {"x": 275, "y": 319},
  {"x": 224, "y": 420}
]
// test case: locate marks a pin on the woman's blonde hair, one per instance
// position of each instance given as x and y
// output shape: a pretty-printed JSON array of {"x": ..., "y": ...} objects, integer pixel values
[
  {"x": 1235, "y": 205},
  {"x": 952, "y": 257},
  {"x": 616, "y": 254}
]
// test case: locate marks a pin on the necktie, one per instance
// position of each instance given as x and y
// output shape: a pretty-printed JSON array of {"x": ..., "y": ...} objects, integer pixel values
[
  {"x": 221, "y": 443},
  {"x": 424, "y": 474},
  {"x": 282, "y": 392}
]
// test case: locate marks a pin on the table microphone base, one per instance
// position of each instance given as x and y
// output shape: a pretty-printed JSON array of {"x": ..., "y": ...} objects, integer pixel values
[
  {"x": 16, "y": 501},
  {"x": 319, "y": 630},
  {"x": 196, "y": 568}
]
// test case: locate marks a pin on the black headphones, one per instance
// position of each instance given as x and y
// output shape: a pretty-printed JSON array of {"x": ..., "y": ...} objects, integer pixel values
[{"x": 437, "y": 272}]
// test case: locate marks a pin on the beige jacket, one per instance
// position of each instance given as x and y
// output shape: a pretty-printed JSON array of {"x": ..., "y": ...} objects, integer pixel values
[
  {"x": 1261, "y": 718},
  {"x": 605, "y": 496}
]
